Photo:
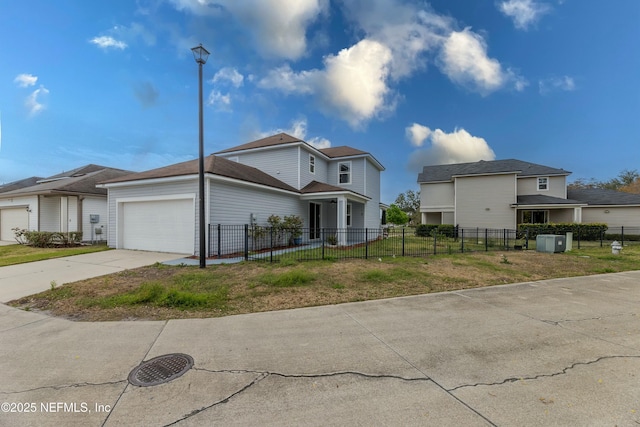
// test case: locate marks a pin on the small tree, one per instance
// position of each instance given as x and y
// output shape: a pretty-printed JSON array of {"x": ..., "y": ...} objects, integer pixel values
[
  {"x": 409, "y": 202},
  {"x": 395, "y": 215}
]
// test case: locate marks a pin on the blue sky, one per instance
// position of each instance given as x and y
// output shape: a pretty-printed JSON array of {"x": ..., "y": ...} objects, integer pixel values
[{"x": 413, "y": 82}]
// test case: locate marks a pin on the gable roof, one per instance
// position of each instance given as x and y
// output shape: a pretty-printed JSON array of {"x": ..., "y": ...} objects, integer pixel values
[
  {"x": 22, "y": 183},
  {"x": 82, "y": 170},
  {"x": 273, "y": 140},
  {"x": 443, "y": 173},
  {"x": 80, "y": 184},
  {"x": 600, "y": 196},
  {"x": 213, "y": 164},
  {"x": 284, "y": 139}
]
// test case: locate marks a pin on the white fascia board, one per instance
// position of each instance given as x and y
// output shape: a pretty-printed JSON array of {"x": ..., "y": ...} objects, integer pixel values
[
  {"x": 437, "y": 209},
  {"x": 611, "y": 206},
  {"x": 333, "y": 194}
]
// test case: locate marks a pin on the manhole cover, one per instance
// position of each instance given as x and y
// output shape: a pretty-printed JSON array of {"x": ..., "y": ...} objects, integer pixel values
[{"x": 161, "y": 369}]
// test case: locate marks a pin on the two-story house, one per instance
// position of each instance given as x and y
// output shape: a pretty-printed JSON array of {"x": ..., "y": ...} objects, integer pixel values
[
  {"x": 280, "y": 175},
  {"x": 504, "y": 193}
]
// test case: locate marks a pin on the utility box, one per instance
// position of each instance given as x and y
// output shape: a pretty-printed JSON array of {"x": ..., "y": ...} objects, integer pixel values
[
  {"x": 550, "y": 243},
  {"x": 94, "y": 218}
]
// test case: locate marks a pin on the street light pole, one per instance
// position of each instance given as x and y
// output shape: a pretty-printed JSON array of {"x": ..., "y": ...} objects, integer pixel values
[{"x": 201, "y": 54}]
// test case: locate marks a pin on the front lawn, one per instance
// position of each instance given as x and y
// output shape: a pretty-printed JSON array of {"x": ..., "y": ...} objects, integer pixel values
[
  {"x": 18, "y": 254},
  {"x": 169, "y": 292}
]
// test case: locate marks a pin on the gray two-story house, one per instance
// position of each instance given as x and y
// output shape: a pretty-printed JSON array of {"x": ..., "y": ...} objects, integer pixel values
[
  {"x": 336, "y": 187},
  {"x": 504, "y": 193}
]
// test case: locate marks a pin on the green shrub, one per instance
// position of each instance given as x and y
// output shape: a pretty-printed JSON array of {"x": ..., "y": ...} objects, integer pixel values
[
  {"x": 426, "y": 230},
  {"x": 47, "y": 239},
  {"x": 591, "y": 231}
]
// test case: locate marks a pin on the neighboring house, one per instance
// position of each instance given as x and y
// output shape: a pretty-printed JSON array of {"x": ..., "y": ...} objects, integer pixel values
[
  {"x": 279, "y": 175},
  {"x": 504, "y": 193},
  {"x": 63, "y": 202}
]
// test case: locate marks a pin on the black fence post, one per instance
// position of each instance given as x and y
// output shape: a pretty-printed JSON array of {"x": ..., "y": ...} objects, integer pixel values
[
  {"x": 246, "y": 242},
  {"x": 486, "y": 240},
  {"x": 219, "y": 241},
  {"x": 435, "y": 241},
  {"x": 461, "y": 239},
  {"x": 622, "y": 234},
  {"x": 366, "y": 243},
  {"x": 402, "y": 241},
  {"x": 526, "y": 238},
  {"x": 271, "y": 245},
  {"x": 579, "y": 236},
  {"x": 322, "y": 236}
]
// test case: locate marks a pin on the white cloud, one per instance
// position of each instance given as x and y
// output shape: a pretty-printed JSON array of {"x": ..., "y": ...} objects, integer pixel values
[
  {"x": 278, "y": 27},
  {"x": 353, "y": 84},
  {"x": 25, "y": 80},
  {"x": 464, "y": 60},
  {"x": 299, "y": 130},
  {"x": 106, "y": 42},
  {"x": 523, "y": 12},
  {"x": 564, "y": 83},
  {"x": 417, "y": 134},
  {"x": 230, "y": 75},
  {"x": 458, "y": 146},
  {"x": 219, "y": 101},
  {"x": 33, "y": 101}
]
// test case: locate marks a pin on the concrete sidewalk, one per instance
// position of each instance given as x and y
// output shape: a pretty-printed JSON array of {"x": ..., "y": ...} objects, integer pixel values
[
  {"x": 556, "y": 352},
  {"x": 21, "y": 280}
]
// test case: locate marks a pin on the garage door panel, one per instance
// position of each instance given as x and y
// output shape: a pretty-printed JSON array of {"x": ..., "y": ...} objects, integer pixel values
[
  {"x": 163, "y": 226},
  {"x": 12, "y": 218}
]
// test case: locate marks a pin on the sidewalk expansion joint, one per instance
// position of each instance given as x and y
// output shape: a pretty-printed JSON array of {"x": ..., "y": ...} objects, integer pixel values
[{"x": 537, "y": 377}]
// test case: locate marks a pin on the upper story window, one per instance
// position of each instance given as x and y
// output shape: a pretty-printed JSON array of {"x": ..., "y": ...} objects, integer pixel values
[
  {"x": 312, "y": 163},
  {"x": 543, "y": 184},
  {"x": 344, "y": 173}
]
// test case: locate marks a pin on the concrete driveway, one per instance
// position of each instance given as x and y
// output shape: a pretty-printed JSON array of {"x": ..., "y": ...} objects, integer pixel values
[
  {"x": 20, "y": 280},
  {"x": 562, "y": 352}
]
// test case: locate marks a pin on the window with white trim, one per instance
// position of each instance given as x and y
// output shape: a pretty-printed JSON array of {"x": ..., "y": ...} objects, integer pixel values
[
  {"x": 543, "y": 183},
  {"x": 349, "y": 209},
  {"x": 312, "y": 164},
  {"x": 344, "y": 173}
]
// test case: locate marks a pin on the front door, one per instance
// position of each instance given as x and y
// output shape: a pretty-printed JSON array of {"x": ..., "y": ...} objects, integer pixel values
[{"x": 314, "y": 221}]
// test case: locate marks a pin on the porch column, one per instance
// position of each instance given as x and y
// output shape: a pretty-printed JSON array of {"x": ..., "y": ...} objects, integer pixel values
[
  {"x": 341, "y": 218},
  {"x": 577, "y": 215}
]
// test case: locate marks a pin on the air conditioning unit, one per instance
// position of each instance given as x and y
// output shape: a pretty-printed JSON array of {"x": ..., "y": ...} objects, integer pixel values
[{"x": 550, "y": 243}]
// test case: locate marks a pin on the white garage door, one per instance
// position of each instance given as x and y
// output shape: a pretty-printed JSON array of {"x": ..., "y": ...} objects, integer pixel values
[
  {"x": 12, "y": 218},
  {"x": 163, "y": 226}
]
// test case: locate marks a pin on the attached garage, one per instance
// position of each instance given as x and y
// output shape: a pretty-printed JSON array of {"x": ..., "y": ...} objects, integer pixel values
[
  {"x": 166, "y": 225},
  {"x": 12, "y": 218}
]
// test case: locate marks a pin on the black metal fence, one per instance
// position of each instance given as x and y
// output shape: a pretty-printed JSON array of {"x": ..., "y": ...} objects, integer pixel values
[
  {"x": 586, "y": 238},
  {"x": 275, "y": 244}
]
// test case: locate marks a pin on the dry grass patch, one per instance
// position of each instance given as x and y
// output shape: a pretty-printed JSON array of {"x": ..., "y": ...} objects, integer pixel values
[{"x": 163, "y": 292}]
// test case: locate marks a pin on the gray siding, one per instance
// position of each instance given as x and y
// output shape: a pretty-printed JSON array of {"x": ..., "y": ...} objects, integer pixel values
[
  {"x": 372, "y": 189},
  {"x": 358, "y": 168},
  {"x": 557, "y": 186},
  {"x": 616, "y": 217},
  {"x": 94, "y": 205},
  {"x": 49, "y": 213},
  {"x": 437, "y": 196},
  {"x": 320, "y": 174},
  {"x": 484, "y": 201},
  {"x": 280, "y": 162},
  {"x": 232, "y": 204}
]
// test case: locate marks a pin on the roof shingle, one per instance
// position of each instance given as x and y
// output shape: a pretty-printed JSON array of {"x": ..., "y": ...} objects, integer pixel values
[{"x": 440, "y": 173}]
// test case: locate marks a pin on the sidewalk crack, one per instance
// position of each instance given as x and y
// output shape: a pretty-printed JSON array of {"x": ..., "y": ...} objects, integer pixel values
[{"x": 536, "y": 377}]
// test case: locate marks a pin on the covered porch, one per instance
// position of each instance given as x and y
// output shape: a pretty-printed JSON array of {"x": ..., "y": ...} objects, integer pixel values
[
  {"x": 334, "y": 208},
  {"x": 539, "y": 209}
]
